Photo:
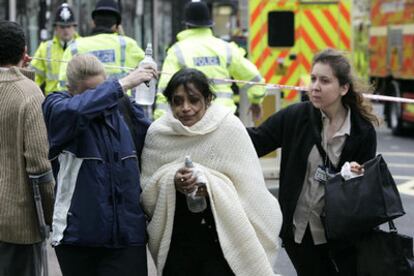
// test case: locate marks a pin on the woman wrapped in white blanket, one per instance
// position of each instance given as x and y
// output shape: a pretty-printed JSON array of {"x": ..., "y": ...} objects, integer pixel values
[{"x": 238, "y": 232}]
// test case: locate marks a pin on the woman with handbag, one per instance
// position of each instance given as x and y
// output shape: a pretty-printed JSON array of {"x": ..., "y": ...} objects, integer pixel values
[{"x": 337, "y": 120}]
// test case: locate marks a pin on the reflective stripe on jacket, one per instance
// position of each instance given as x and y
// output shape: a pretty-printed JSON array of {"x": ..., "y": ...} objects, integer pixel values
[
  {"x": 47, "y": 72},
  {"x": 218, "y": 59},
  {"x": 110, "y": 49}
]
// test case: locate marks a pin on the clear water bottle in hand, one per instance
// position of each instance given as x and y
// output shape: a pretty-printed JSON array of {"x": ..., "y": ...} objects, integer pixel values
[
  {"x": 145, "y": 92},
  {"x": 195, "y": 204}
]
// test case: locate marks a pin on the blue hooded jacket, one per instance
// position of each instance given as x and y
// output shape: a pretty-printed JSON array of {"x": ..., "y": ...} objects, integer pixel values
[{"x": 96, "y": 168}]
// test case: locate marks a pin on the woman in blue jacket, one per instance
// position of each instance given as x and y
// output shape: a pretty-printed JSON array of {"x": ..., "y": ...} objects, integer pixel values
[
  {"x": 98, "y": 223},
  {"x": 339, "y": 119}
]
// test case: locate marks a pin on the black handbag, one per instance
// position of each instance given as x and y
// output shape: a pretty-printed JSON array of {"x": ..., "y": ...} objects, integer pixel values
[
  {"x": 381, "y": 253},
  {"x": 360, "y": 204}
]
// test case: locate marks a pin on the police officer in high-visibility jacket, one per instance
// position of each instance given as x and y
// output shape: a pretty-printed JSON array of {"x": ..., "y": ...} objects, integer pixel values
[
  {"x": 216, "y": 58},
  {"x": 106, "y": 43},
  {"x": 49, "y": 53}
]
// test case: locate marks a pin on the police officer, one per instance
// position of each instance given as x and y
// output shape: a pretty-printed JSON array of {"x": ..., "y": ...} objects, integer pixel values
[
  {"x": 360, "y": 50},
  {"x": 216, "y": 58},
  {"x": 106, "y": 43},
  {"x": 47, "y": 71}
]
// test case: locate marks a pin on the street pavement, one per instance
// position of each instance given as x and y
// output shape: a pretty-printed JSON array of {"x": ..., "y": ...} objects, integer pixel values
[{"x": 399, "y": 154}]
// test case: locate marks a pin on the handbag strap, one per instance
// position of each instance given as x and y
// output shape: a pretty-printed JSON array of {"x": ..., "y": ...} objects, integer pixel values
[
  {"x": 327, "y": 162},
  {"x": 318, "y": 141},
  {"x": 392, "y": 226}
]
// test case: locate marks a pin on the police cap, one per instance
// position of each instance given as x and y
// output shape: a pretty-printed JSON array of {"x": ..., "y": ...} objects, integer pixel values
[
  {"x": 64, "y": 16},
  {"x": 197, "y": 14},
  {"x": 107, "y": 7}
]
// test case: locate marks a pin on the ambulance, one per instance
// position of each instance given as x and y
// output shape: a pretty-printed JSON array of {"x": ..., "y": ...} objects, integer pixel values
[
  {"x": 283, "y": 37},
  {"x": 391, "y": 58}
]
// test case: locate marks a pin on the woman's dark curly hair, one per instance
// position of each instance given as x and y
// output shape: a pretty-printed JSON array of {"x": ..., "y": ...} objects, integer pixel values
[{"x": 186, "y": 76}]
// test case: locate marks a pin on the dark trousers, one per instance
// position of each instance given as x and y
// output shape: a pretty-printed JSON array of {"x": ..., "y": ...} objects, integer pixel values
[
  {"x": 320, "y": 260},
  {"x": 196, "y": 260},
  {"x": 100, "y": 261},
  {"x": 20, "y": 259}
]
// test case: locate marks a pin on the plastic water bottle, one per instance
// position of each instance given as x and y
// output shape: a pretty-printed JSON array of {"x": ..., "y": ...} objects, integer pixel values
[
  {"x": 195, "y": 204},
  {"x": 145, "y": 92}
]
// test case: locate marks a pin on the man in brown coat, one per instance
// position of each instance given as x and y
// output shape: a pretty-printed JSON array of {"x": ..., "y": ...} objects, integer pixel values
[{"x": 23, "y": 156}]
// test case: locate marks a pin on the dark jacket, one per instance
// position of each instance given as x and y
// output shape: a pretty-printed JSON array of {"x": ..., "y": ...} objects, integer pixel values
[
  {"x": 96, "y": 168},
  {"x": 293, "y": 130}
]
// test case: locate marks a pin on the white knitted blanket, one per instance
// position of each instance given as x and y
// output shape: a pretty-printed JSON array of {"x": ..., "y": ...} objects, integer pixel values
[{"x": 247, "y": 216}]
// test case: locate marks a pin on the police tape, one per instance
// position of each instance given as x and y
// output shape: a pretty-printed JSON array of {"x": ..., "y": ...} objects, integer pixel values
[
  {"x": 267, "y": 85},
  {"x": 215, "y": 80},
  {"x": 65, "y": 61},
  {"x": 388, "y": 98},
  {"x": 271, "y": 89},
  {"x": 278, "y": 87}
]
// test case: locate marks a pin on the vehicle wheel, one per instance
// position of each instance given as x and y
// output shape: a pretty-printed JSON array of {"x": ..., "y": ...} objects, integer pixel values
[{"x": 394, "y": 120}]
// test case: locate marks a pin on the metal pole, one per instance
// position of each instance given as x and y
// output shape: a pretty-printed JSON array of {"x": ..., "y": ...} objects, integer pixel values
[
  {"x": 44, "y": 230},
  {"x": 244, "y": 105},
  {"x": 155, "y": 29},
  {"x": 35, "y": 181},
  {"x": 12, "y": 10}
]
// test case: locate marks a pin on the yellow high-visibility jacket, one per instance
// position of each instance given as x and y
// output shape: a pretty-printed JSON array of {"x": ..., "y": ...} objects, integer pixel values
[
  {"x": 110, "y": 49},
  {"x": 47, "y": 72},
  {"x": 198, "y": 48}
]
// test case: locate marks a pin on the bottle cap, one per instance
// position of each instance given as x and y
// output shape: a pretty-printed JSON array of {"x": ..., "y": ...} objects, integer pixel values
[
  {"x": 148, "y": 50},
  {"x": 188, "y": 162}
]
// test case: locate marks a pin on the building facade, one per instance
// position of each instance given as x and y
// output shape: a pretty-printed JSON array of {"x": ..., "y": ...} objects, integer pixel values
[{"x": 156, "y": 21}]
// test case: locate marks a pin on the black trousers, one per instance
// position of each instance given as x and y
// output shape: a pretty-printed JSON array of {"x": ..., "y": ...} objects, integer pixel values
[
  {"x": 100, "y": 261},
  {"x": 196, "y": 260},
  {"x": 20, "y": 259},
  {"x": 320, "y": 260}
]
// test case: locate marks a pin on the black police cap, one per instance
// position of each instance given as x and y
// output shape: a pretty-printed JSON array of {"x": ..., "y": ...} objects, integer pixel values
[
  {"x": 64, "y": 16},
  {"x": 108, "y": 6},
  {"x": 196, "y": 14}
]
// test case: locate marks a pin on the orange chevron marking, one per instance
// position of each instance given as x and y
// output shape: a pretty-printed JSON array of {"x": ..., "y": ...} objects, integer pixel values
[
  {"x": 258, "y": 37},
  {"x": 290, "y": 72},
  {"x": 345, "y": 12},
  {"x": 305, "y": 62},
  {"x": 345, "y": 39},
  {"x": 282, "y": 3},
  {"x": 262, "y": 57},
  {"x": 269, "y": 74},
  {"x": 257, "y": 11},
  {"x": 291, "y": 95},
  {"x": 308, "y": 39},
  {"x": 319, "y": 28}
]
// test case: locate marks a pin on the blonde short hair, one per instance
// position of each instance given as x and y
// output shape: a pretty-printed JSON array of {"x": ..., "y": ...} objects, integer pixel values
[{"x": 82, "y": 67}]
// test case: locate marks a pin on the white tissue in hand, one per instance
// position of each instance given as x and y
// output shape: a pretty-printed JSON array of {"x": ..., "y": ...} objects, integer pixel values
[
  {"x": 199, "y": 174},
  {"x": 347, "y": 173}
]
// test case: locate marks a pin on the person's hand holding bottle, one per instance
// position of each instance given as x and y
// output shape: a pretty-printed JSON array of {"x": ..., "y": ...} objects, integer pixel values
[
  {"x": 138, "y": 76},
  {"x": 188, "y": 179},
  {"x": 185, "y": 182}
]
